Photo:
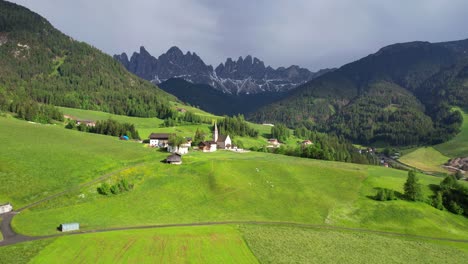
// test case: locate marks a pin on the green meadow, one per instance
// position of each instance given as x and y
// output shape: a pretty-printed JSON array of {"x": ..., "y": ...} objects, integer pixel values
[
  {"x": 431, "y": 159},
  {"x": 217, "y": 244},
  {"x": 426, "y": 159},
  {"x": 458, "y": 146},
  {"x": 39, "y": 160},
  {"x": 225, "y": 186}
]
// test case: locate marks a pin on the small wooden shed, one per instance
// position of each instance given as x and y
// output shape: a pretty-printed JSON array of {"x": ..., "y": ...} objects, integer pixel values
[
  {"x": 67, "y": 227},
  {"x": 174, "y": 159}
]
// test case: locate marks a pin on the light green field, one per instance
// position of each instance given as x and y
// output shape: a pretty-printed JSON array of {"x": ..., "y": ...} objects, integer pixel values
[
  {"x": 458, "y": 146},
  {"x": 22, "y": 252},
  {"x": 217, "y": 244},
  {"x": 426, "y": 159},
  {"x": 277, "y": 244},
  {"x": 39, "y": 160},
  {"x": 218, "y": 186},
  {"x": 227, "y": 186}
]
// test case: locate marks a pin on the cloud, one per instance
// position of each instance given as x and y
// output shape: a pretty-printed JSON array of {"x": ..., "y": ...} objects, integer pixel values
[{"x": 314, "y": 34}]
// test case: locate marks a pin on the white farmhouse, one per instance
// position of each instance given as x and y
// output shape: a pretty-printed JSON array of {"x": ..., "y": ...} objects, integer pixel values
[{"x": 5, "y": 208}]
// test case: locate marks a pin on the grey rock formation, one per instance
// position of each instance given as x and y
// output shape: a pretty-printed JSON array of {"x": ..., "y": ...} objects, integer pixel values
[{"x": 245, "y": 76}]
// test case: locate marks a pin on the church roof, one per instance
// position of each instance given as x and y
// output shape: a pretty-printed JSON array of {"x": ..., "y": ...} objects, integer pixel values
[{"x": 221, "y": 138}]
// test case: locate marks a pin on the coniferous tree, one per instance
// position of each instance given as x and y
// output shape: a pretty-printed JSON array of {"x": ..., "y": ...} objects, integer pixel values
[{"x": 412, "y": 187}]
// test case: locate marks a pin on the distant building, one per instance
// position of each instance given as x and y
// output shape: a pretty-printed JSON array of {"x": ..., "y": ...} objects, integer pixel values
[
  {"x": 160, "y": 140},
  {"x": 88, "y": 123},
  {"x": 273, "y": 142},
  {"x": 174, "y": 159},
  {"x": 5, "y": 208},
  {"x": 69, "y": 227},
  {"x": 306, "y": 143}
]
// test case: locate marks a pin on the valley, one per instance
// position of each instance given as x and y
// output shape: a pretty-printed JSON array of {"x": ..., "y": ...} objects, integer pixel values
[{"x": 144, "y": 159}]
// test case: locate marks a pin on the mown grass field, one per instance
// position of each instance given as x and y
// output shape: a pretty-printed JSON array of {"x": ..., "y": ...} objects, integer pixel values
[
  {"x": 458, "y": 146},
  {"x": 279, "y": 244},
  {"x": 216, "y": 244},
  {"x": 426, "y": 159},
  {"x": 39, "y": 160}
]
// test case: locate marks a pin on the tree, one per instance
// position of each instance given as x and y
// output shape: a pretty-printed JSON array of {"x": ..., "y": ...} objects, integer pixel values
[
  {"x": 176, "y": 141},
  {"x": 459, "y": 175},
  {"x": 438, "y": 202},
  {"x": 104, "y": 189},
  {"x": 199, "y": 137},
  {"x": 280, "y": 132},
  {"x": 412, "y": 188}
]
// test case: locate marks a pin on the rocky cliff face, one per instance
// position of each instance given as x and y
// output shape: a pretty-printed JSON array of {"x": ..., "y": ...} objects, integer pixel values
[{"x": 245, "y": 76}]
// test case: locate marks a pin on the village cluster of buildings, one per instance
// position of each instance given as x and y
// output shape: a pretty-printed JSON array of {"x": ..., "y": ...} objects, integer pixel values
[{"x": 161, "y": 140}]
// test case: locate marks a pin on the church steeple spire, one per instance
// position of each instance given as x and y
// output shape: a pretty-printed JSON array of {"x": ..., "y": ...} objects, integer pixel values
[{"x": 215, "y": 133}]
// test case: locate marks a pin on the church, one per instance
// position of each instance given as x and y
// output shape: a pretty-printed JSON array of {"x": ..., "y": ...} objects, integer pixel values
[{"x": 218, "y": 142}]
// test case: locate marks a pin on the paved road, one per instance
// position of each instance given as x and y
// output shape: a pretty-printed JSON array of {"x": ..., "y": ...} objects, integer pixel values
[{"x": 10, "y": 237}]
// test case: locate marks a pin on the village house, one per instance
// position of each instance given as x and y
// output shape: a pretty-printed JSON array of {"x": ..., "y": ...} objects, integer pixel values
[
  {"x": 175, "y": 159},
  {"x": 182, "y": 149},
  {"x": 5, "y": 208},
  {"x": 207, "y": 146},
  {"x": 159, "y": 140},
  {"x": 273, "y": 142},
  {"x": 306, "y": 143}
]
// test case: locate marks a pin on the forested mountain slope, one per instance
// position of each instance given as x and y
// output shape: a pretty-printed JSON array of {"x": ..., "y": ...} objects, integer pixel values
[
  {"x": 391, "y": 96},
  {"x": 38, "y": 63}
]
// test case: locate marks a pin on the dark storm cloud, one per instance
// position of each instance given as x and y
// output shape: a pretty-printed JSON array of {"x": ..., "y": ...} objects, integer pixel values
[{"x": 314, "y": 34}]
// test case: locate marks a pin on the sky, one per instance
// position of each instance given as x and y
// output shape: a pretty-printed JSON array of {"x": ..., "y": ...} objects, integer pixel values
[{"x": 314, "y": 34}]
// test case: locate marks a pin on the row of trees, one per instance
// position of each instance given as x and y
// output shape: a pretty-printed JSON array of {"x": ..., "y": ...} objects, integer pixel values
[
  {"x": 109, "y": 127},
  {"x": 236, "y": 126},
  {"x": 119, "y": 187},
  {"x": 448, "y": 195}
]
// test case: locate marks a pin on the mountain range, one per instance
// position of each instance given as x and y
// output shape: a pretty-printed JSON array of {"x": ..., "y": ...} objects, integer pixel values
[
  {"x": 247, "y": 75},
  {"x": 400, "y": 95}
]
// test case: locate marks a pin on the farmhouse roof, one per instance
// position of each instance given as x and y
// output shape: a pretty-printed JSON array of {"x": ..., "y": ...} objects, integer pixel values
[
  {"x": 174, "y": 158},
  {"x": 160, "y": 135}
]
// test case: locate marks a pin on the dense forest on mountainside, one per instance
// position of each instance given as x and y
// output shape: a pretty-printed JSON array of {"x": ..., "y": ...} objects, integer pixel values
[
  {"x": 214, "y": 101},
  {"x": 401, "y": 95},
  {"x": 39, "y": 63}
]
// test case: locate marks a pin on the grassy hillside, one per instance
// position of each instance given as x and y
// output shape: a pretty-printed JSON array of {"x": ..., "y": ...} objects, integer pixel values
[
  {"x": 426, "y": 159},
  {"x": 39, "y": 160},
  {"x": 217, "y": 186},
  {"x": 251, "y": 186},
  {"x": 458, "y": 146}
]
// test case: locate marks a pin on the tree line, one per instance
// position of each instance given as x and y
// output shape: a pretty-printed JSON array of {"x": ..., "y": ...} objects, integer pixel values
[{"x": 109, "y": 127}]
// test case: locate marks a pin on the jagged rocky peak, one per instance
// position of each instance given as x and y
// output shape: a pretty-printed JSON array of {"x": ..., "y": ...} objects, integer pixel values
[{"x": 245, "y": 75}]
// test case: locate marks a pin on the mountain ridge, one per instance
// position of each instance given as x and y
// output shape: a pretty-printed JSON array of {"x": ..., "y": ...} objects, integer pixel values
[{"x": 246, "y": 75}]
